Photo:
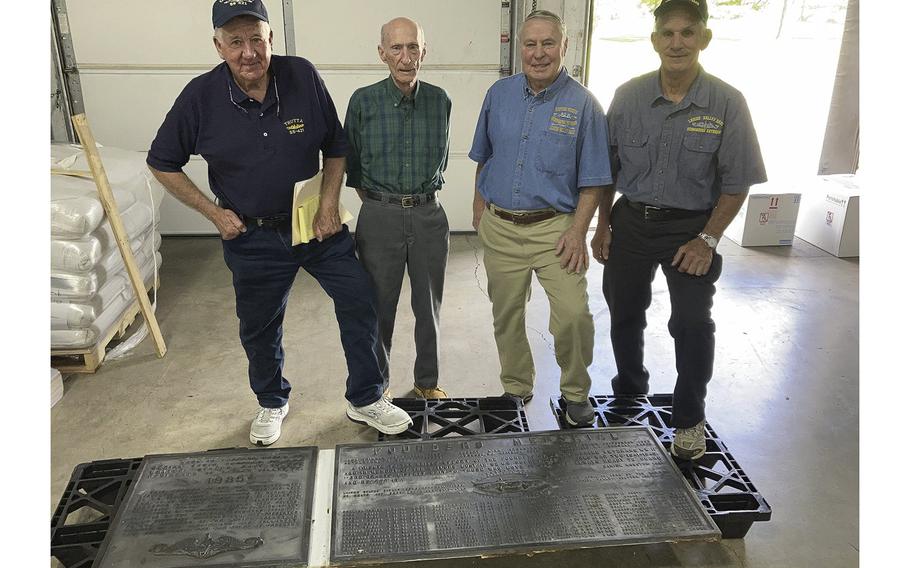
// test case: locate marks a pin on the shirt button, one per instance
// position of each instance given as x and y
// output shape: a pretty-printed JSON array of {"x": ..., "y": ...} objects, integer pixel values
[
  {"x": 265, "y": 133},
  {"x": 660, "y": 171}
]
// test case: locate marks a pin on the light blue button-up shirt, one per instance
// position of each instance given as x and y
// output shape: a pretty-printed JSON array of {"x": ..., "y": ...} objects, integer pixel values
[{"x": 539, "y": 150}]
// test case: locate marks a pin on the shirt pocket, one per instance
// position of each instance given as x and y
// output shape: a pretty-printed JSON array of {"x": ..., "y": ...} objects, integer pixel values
[
  {"x": 633, "y": 152},
  {"x": 556, "y": 154},
  {"x": 697, "y": 155}
]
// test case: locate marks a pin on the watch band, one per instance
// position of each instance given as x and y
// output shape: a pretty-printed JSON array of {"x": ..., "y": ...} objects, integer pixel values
[{"x": 711, "y": 241}]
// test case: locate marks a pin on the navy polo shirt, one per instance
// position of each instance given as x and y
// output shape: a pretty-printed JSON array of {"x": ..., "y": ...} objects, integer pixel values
[{"x": 255, "y": 152}]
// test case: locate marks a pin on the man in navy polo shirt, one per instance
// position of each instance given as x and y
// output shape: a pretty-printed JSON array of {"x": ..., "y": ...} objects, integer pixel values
[
  {"x": 684, "y": 154},
  {"x": 539, "y": 145},
  {"x": 260, "y": 121}
]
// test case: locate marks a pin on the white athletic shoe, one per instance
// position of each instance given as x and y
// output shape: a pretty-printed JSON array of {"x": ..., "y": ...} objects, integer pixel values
[
  {"x": 382, "y": 415},
  {"x": 266, "y": 427}
]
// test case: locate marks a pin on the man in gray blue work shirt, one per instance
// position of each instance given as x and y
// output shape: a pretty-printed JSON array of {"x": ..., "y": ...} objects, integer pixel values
[
  {"x": 540, "y": 145},
  {"x": 684, "y": 154}
]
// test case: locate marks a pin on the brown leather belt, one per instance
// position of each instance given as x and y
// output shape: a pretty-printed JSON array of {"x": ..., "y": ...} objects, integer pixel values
[{"x": 523, "y": 217}]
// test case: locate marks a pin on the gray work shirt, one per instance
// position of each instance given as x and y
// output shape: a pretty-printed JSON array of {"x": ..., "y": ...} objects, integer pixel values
[{"x": 682, "y": 155}]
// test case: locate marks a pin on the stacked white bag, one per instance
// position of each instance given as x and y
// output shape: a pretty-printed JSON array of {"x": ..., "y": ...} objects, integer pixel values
[{"x": 90, "y": 288}]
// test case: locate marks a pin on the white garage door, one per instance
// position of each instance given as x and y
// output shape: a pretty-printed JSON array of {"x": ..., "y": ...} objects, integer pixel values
[{"x": 134, "y": 57}]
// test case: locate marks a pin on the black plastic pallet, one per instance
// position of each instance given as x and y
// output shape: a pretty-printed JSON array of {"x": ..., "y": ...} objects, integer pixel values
[
  {"x": 725, "y": 490},
  {"x": 450, "y": 417},
  {"x": 85, "y": 510}
]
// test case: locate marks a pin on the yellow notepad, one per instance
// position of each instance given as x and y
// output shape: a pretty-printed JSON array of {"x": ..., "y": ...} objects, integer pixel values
[{"x": 304, "y": 208}]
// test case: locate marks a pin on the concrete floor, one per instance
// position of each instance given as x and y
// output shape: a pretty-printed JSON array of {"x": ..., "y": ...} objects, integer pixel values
[{"x": 784, "y": 394}]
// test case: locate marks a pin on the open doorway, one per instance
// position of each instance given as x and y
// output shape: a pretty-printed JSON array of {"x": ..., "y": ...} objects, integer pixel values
[{"x": 782, "y": 55}]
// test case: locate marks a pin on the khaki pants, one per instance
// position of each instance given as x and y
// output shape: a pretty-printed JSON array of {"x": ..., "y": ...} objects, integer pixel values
[{"x": 511, "y": 253}]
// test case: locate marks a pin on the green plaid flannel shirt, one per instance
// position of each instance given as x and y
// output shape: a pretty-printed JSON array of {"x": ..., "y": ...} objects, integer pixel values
[{"x": 399, "y": 144}]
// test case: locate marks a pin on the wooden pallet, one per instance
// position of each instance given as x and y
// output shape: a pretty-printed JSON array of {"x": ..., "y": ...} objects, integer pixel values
[{"x": 88, "y": 359}]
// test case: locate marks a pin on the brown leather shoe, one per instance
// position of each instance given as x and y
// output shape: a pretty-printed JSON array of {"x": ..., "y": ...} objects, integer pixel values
[{"x": 431, "y": 392}]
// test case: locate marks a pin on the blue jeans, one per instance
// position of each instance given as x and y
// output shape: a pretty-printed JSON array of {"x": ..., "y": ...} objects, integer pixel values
[{"x": 264, "y": 265}]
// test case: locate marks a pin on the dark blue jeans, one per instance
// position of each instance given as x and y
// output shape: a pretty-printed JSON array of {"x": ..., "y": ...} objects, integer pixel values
[
  {"x": 637, "y": 249},
  {"x": 264, "y": 265}
]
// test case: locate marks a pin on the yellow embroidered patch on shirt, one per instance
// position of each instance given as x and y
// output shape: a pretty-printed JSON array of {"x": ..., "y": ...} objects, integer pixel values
[
  {"x": 705, "y": 123},
  {"x": 564, "y": 120},
  {"x": 294, "y": 126}
]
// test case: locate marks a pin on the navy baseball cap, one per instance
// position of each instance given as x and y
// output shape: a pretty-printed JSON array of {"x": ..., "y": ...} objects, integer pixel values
[
  {"x": 224, "y": 10},
  {"x": 700, "y": 7}
]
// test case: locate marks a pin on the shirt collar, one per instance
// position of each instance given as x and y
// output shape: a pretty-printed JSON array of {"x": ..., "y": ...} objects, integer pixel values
[
  {"x": 397, "y": 96},
  {"x": 551, "y": 90},
  {"x": 238, "y": 97},
  {"x": 697, "y": 95}
]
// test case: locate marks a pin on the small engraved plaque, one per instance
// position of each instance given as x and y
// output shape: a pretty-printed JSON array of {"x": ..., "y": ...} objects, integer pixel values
[
  {"x": 222, "y": 508},
  {"x": 497, "y": 494}
]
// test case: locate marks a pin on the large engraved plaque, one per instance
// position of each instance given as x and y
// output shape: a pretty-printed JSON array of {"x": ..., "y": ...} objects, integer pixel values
[
  {"x": 222, "y": 508},
  {"x": 500, "y": 494}
]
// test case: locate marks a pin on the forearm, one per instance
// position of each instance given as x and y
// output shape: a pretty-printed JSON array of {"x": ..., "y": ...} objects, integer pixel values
[
  {"x": 588, "y": 200},
  {"x": 726, "y": 209},
  {"x": 332, "y": 173},
  {"x": 477, "y": 196},
  {"x": 182, "y": 187},
  {"x": 605, "y": 206}
]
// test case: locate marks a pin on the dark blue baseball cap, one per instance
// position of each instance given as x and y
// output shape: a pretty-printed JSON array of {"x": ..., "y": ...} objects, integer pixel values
[
  {"x": 699, "y": 6},
  {"x": 224, "y": 10}
]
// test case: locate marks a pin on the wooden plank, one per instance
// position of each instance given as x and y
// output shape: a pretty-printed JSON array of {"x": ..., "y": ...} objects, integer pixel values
[
  {"x": 88, "y": 359},
  {"x": 120, "y": 234}
]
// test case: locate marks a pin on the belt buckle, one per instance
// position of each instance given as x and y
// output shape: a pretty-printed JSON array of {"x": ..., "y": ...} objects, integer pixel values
[
  {"x": 259, "y": 221},
  {"x": 649, "y": 209},
  {"x": 407, "y": 201}
]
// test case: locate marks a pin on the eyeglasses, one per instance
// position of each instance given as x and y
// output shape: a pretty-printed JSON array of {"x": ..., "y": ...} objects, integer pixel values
[{"x": 277, "y": 99}]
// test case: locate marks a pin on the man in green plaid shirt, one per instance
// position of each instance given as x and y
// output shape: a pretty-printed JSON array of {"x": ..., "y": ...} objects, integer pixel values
[{"x": 399, "y": 134}]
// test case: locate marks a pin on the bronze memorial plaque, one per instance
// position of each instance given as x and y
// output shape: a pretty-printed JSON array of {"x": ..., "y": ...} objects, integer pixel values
[
  {"x": 509, "y": 493},
  {"x": 221, "y": 508}
]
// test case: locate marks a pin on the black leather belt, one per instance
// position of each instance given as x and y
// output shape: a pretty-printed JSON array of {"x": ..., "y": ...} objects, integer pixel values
[
  {"x": 652, "y": 213},
  {"x": 405, "y": 201},
  {"x": 271, "y": 222},
  {"x": 523, "y": 217}
]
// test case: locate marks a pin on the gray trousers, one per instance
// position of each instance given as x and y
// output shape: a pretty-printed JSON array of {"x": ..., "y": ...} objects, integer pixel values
[{"x": 389, "y": 238}]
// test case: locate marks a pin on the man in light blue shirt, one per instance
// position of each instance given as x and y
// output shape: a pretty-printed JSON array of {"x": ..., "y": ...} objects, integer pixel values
[{"x": 540, "y": 147}]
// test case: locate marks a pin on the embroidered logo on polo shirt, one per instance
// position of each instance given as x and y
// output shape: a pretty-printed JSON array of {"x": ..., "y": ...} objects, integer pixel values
[
  {"x": 294, "y": 126},
  {"x": 706, "y": 124},
  {"x": 564, "y": 120}
]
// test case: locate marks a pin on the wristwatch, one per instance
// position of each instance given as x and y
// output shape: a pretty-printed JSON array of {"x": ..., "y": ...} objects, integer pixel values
[{"x": 709, "y": 240}]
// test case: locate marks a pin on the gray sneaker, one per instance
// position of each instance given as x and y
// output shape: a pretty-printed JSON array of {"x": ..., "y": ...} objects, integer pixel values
[
  {"x": 266, "y": 427},
  {"x": 382, "y": 415},
  {"x": 579, "y": 414},
  {"x": 689, "y": 443},
  {"x": 523, "y": 399}
]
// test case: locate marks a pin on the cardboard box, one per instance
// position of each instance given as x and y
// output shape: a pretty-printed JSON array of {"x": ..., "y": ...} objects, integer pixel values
[
  {"x": 830, "y": 216},
  {"x": 765, "y": 219}
]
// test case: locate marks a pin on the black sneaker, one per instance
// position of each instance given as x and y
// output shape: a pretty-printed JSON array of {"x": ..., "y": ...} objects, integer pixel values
[{"x": 579, "y": 414}]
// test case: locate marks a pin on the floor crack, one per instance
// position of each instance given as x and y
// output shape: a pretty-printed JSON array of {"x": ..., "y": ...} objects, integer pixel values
[
  {"x": 546, "y": 339},
  {"x": 476, "y": 266}
]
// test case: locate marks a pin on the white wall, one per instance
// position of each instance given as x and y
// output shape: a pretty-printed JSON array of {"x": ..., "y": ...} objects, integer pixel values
[{"x": 135, "y": 56}]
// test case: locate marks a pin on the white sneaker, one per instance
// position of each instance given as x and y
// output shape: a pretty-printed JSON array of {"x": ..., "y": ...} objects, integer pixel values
[
  {"x": 266, "y": 427},
  {"x": 382, "y": 415}
]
